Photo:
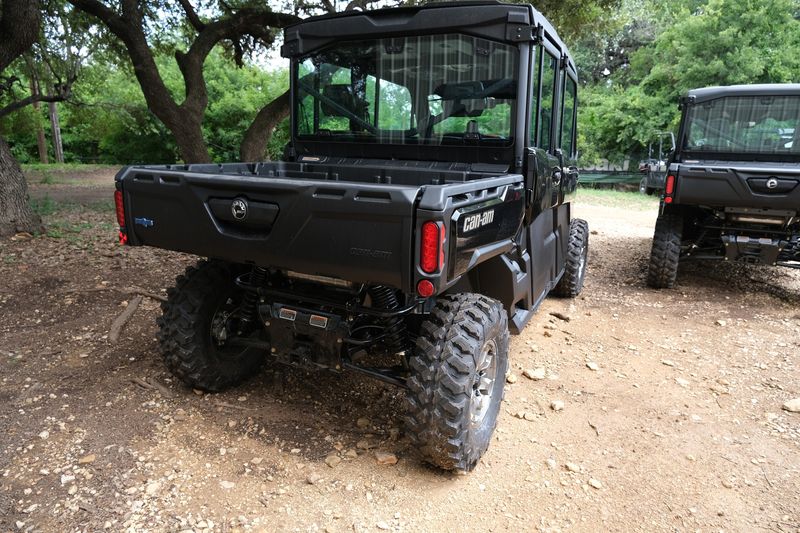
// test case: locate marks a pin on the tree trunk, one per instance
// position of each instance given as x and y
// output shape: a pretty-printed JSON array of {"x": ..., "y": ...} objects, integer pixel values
[
  {"x": 58, "y": 147},
  {"x": 189, "y": 138},
  {"x": 254, "y": 144},
  {"x": 16, "y": 214},
  {"x": 41, "y": 142}
]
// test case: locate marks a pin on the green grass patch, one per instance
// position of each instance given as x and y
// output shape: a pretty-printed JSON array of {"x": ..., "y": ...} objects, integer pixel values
[
  {"x": 61, "y": 168},
  {"x": 70, "y": 231},
  {"x": 106, "y": 206},
  {"x": 48, "y": 178},
  {"x": 47, "y": 206},
  {"x": 619, "y": 199},
  {"x": 44, "y": 206}
]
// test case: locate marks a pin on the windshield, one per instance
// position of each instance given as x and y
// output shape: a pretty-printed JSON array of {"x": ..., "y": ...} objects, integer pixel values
[
  {"x": 438, "y": 89},
  {"x": 767, "y": 125}
]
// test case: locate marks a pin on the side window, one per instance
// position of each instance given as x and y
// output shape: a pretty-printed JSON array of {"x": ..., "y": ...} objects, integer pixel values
[
  {"x": 546, "y": 104},
  {"x": 568, "y": 117},
  {"x": 306, "y": 108},
  {"x": 535, "y": 72}
]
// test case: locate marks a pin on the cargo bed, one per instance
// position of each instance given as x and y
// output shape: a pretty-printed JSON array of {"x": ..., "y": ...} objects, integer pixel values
[{"x": 343, "y": 218}]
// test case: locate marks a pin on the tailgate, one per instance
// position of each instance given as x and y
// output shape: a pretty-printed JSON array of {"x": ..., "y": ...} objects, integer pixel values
[
  {"x": 357, "y": 232},
  {"x": 756, "y": 186}
]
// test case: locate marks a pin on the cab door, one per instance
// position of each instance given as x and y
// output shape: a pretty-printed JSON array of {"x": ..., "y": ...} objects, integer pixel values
[
  {"x": 569, "y": 123},
  {"x": 568, "y": 163},
  {"x": 544, "y": 169}
]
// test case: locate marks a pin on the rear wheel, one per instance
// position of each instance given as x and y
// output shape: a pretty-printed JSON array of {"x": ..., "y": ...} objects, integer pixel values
[
  {"x": 665, "y": 253},
  {"x": 201, "y": 313},
  {"x": 456, "y": 384},
  {"x": 643, "y": 186},
  {"x": 571, "y": 282}
]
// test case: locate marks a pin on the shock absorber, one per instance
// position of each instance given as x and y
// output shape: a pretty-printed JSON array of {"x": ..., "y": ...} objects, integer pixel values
[
  {"x": 247, "y": 311},
  {"x": 395, "y": 335}
]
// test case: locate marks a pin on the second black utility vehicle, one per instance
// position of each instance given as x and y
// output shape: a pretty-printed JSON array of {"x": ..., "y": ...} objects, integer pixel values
[
  {"x": 422, "y": 211},
  {"x": 732, "y": 189},
  {"x": 654, "y": 168}
]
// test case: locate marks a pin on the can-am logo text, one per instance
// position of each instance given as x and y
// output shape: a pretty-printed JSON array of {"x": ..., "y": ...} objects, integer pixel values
[{"x": 474, "y": 222}]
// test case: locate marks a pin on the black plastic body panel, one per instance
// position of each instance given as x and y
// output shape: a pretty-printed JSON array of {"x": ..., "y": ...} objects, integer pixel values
[
  {"x": 489, "y": 223},
  {"x": 720, "y": 184},
  {"x": 503, "y": 194}
]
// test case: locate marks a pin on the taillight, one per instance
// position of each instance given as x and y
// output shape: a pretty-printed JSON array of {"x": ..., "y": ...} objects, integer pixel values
[
  {"x": 431, "y": 252},
  {"x": 119, "y": 203},
  {"x": 669, "y": 189},
  {"x": 425, "y": 288}
]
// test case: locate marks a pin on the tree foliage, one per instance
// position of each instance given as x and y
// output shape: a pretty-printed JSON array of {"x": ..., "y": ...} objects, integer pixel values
[
  {"x": 138, "y": 29},
  {"x": 107, "y": 119},
  {"x": 692, "y": 44}
]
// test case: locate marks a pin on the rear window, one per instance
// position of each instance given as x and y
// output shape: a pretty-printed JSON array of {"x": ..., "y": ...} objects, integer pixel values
[{"x": 745, "y": 124}]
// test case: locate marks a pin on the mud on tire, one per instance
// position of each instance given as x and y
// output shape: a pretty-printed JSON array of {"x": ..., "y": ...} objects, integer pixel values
[
  {"x": 454, "y": 393},
  {"x": 571, "y": 283},
  {"x": 666, "y": 250},
  {"x": 185, "y": 338}
]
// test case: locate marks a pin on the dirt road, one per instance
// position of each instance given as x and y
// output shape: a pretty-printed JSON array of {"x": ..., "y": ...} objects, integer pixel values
[{"x": 672, "y": 416}]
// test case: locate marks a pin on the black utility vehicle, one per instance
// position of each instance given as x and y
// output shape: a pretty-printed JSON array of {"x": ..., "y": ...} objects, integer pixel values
[
  {"x": 422, "y": 211},
  {"x": 654, "y": 168},
  {"x": 732, "y": 189}
]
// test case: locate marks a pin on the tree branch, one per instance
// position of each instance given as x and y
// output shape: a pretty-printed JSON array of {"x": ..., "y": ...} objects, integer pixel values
[
  {"x": 7, "y": 83},
  {"x": 328, "y": 5},
  {"x": 191, "y": 14},
  {"x": 254, "y": 144},
  {"x": 245, "y": 21},
  {"x": 19, "y": 104},
  {"x": 107, "y": 15}
]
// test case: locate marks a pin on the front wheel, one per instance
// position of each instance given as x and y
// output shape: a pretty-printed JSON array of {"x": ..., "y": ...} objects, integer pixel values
[
  {"x": 456, "y": 382},
  {"x": 666, "y": 251},
  {"x": 201, "y": 313},
  {"x": 571, "y": 282}
]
